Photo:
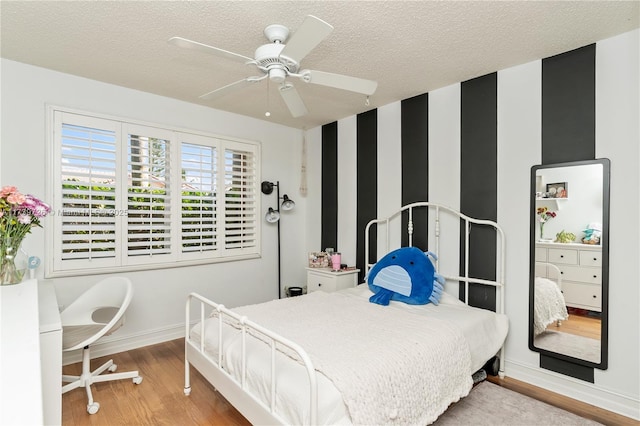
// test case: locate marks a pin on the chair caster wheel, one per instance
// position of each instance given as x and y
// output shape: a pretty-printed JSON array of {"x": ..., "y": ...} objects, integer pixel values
[
  {"x": 93, "y": 408},
  {"x": 113, "y": 368},
  {"x": 137, "y": 380}
]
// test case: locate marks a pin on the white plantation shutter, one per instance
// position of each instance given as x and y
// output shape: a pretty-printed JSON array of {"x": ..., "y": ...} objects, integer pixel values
[
  {"x": 198, "y": 198},
  {"x": 86, "y": 215},
  {"x": 240, "y": 197},
  {"x": 132, "y": 196},
  {"x": 148, "y": 194}
]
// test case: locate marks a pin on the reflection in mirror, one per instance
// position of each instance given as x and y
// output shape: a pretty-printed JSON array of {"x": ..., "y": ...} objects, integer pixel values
[{"x": 569, "y": 271}]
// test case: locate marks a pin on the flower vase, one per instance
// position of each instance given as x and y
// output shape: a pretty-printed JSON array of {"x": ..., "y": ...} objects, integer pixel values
[
  {"x": 13, "y": 265},
  {"x": 542, "y": 238}
]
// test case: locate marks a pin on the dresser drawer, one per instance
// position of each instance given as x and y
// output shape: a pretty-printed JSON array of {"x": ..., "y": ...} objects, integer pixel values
[
  {"x": 327, "y": 280},
  {"x": 582, "y": 295},
  {"x": 581, "y": 274},
  {"x": 569, "y": 257},
  {"x": 590, "y": 258},
  {"x": 322, "y": 282}
]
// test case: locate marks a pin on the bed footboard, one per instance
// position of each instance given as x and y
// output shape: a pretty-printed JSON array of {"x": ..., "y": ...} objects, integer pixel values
[{"x": 234, "y": 387}]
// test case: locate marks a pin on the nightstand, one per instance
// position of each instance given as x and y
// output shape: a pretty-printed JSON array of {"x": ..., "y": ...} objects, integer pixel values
[{"x": 327, "y": 280}]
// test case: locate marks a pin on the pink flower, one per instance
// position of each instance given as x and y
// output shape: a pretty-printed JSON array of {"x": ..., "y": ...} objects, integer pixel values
[
  {"x": 29, "y": 201},
  {"x": 35, "y": 206},
  {"x": 19, "y": 213},
  {"x": 24, "y": 219},
  {"x": 41, "y": 210},
  {"x": 16, "y": 198},
  {"x": 6, "y": 190}
]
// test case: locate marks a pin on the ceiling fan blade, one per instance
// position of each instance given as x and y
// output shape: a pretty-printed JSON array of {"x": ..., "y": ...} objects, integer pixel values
[
  {"x": 240, "y": 84},
  {"x": 339, "y": 81},
  {"x": 293, "y": 100},
  {"x": 190, "y": 44},
  {"x": 309, "y": 35}
]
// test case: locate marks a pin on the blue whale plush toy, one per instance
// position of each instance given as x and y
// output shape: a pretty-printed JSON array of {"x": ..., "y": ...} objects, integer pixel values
[{"x": 406, "y": 275}]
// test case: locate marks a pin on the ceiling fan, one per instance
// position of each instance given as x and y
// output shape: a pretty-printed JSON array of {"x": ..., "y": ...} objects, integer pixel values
[{"x": 278, "y": 61}]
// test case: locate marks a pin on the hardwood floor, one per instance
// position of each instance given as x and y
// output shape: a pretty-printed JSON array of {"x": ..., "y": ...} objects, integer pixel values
[
  {"x": 579, "y": 325},
  {"x": 159, "y": 399}
]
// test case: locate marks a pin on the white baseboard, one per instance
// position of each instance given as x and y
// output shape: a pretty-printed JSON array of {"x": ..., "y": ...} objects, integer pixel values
[
  {"x": 116, "y": 343},
  {"x": 574, "y": 388}
]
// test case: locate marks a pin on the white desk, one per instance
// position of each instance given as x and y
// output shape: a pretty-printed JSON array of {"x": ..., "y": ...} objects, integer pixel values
[
  {"x": 30, "y": 356},
  {"x": 50, "y": 354}
]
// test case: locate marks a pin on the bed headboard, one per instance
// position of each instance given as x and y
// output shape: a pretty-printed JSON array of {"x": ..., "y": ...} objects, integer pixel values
[{"x": 456, "y": 235}]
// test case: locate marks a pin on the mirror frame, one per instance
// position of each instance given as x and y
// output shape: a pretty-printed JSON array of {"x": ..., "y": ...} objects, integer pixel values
[{"x": 604, "y": 242}]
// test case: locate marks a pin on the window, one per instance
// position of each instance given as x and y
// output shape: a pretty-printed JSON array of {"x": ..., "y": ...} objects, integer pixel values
[
  {"x": 133, "y": 196},
  {"x": 198, "y": 198}
]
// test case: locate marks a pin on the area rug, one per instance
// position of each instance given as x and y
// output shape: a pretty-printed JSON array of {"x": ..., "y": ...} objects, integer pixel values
[
  {"x": 491, "y": 405},
  {"x": 569, "y": 344}
]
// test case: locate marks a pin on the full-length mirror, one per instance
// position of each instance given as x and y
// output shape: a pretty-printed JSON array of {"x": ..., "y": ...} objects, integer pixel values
[{"x": 569, "y": 264}]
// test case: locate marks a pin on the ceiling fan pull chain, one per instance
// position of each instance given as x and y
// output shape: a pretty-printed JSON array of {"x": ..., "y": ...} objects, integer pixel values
[{"x": 268, "y": 112}]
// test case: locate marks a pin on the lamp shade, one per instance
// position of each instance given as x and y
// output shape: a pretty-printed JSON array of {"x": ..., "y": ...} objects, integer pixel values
[
  {"x": 272, "y": 215},
  {"x": 267, "y": 187},
  {"x": 287, "y": 203}
]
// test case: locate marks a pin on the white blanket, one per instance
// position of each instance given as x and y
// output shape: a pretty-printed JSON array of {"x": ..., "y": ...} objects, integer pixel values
[
  {"x": 549, "y": 305},
  {"x": 391, "y": 366}
]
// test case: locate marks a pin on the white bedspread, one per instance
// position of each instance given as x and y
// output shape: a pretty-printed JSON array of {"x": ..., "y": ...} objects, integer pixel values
[
  {"x": 484, "y": 332},
  {"x": 403, "y": 369},
  {"x": 549, "y": 305}
]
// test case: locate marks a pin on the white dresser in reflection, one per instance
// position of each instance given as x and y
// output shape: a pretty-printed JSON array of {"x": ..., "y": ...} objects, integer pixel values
[{"x": 581, "y": 270}]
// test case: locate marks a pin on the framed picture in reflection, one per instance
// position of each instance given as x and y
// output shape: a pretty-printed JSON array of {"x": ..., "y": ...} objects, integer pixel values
[{"x": 558, "y": 190}]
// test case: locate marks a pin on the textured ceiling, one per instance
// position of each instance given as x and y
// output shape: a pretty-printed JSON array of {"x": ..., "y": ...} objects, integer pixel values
[{"x": 409, "y": 47}]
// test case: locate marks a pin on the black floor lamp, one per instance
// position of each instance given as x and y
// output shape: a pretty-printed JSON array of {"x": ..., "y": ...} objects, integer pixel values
[{"x": 273, "y": 216}]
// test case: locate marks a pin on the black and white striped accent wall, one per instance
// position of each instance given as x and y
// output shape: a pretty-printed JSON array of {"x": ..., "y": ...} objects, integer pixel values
[
  {"x": 452, "y": 131},
  {"x": 482, "y": 137},
  {"x": 471, "y": 146}
]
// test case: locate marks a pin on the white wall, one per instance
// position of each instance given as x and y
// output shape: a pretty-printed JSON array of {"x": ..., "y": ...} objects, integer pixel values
[
  {"x": 346, "y": 194},
  {"x": 157, "y": 310},
  {"x": 389, "y": 161},
  {"x": 519, "y": 148},
  {"x": 618, "y": 138}
]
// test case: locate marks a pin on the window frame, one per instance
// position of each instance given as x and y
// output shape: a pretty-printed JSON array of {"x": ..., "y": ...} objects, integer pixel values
[{"x": 55, "y": 266}]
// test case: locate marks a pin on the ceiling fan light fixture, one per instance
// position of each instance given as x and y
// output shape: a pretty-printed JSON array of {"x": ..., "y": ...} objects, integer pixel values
[{"x": 277, "y": 75}]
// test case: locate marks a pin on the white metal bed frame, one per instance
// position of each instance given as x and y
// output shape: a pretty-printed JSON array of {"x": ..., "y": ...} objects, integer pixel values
[
  {"x": 558, "y": 278},
  {"x": 435, "y": 210},
  {"x": 237, "y": 392},
  {"x": 556, "y": 270}
]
